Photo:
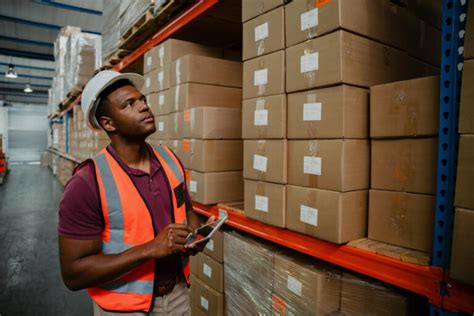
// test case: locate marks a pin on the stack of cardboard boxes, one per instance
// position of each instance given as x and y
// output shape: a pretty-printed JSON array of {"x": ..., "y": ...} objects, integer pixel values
[
  {"x": 196, "y": 98},
  {"x": 207, "y": 278},
  {"x": 462, "y": 259},
  {"x": 306, "y": 153},
  {"x": 403, "y": 125}
]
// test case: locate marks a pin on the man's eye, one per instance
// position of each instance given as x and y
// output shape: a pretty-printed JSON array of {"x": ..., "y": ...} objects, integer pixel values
[{"x": 130, "y": 102}]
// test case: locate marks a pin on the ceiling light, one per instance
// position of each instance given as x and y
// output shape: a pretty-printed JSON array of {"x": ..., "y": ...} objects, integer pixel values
[
  {"x": 28, "y": 88},
  {"x": 11, "y": 73}
]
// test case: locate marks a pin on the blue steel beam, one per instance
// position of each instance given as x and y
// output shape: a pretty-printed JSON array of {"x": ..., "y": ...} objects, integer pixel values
[
  {"x": 37, "y": 24},
  {"x": 25, "y": 41},
  {"x": 27, "y": 67},
  {"x": 21, "y": 53},
  {"x": 67, "y": 7}
]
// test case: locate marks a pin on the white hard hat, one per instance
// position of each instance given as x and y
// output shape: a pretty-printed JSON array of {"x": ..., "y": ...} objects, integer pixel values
[{"x": 98, "y": 84}]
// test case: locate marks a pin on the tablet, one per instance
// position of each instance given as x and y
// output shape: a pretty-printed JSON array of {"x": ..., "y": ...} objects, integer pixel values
[{"x": 205, "y": 232}]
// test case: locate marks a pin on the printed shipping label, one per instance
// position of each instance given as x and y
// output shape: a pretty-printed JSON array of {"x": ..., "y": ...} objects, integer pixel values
[
  {"x": 193, "y": 186},
  {"x": 148, "y": 61},
  {"x": 260, "y": 163},
  {"x": 309, "y": 215},
  {"x": 160, "y": 76},
  {"x": 309, "y": 19},
  {"x": 312, "y": 165},
  {"x": 309, "y": 62},
  {"x": 261, "y": 203},
  {"x": 161, "y": 126},
  {"x": 161, "y": 99},
  {"x": 312, "y": 111},
  {"x": 294, "y": 285},
  {"x": 147, "y": 82},
  {"x": 210, "y": 245},
  {"x": 204, "y": 303},
  {"x": 261, "y": 32},
  {"x": 161, "y": 54},
  {"x": 260, "y": 77},
  {"x": 207, "y": 270},
  {"x": 261, "y": 118}
]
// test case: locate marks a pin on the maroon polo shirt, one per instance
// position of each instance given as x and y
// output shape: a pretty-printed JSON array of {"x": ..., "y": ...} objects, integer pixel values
[{"x": 80, "y": 215}]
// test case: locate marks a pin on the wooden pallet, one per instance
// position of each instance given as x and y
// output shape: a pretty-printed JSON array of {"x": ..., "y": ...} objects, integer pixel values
[
  {"x": 116, "y": 57},
  {"x": 150, "y": 23},
  {"x": 396, "y": 252},
  {"x": 237, "y": 207}
]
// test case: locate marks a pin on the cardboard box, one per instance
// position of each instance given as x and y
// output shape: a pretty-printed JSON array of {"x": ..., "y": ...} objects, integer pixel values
[
  {"x": 342, "y": 57},
  {"x": 211, "y": 272},
  {"x": 207, "y": 70},
  {"x": 264, "y": 34},
  {"x": 328, "y": 215},
  {"x": 402, "y": 219},
  {"x": 191, "y": 95},
  {"x": 253, "y": 8},
  {"x": 405, "y": 108},
  {"x": 264, "y": 75},
  {"x": 172, "y": 49},
  {"x": 362, "y": 297},
  {"x": 213, "y": 123},
  {"x": 466, "y": 110},
  {"x": 206, "y": 299},
  {"x": 407, "y": 165},
  {"x": 465, "y": 173},
  {"x": 212, "y": 155},
  {"x": 427, "y": 10},
  {"x": 215, "y": 247},
  {"x": 469, "y": 39},
  {"x": 159, "y": 102},
  {"x": 265, "y": 202},
  {"x": 379, "y": 20},
  {"x": 306, "y": 287},
  {"x": 339, "y": 165},
  {"x": 264, "y": 118},
  {"x": 162, "y": 128},
  {"x": 175, "y": 146},
  {"x": 157, "y": 80},
  {"x": 265, "y": 160},
  {"x": 462, "y": 258},
  {"x": 176, "y": 122},
  {"x": 425, "y": 44},
  {"x": 336, "y": 112},
  {"x": 193, "y": 264},
  {"x": 207, "y": 188}
]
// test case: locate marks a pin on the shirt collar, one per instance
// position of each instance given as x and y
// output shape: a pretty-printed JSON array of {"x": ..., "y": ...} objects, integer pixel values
[{"x": 154, "y": 163}]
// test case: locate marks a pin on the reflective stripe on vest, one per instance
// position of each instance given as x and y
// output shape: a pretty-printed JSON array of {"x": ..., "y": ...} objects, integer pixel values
[{"x": 128, "y": 223}]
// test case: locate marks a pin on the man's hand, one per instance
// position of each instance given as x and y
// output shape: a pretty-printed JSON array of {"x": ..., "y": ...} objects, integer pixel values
[{"x": 170, "y": 240}]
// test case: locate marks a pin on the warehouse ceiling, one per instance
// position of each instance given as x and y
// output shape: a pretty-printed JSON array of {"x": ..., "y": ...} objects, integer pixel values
[{"x": 28, "y": 29}]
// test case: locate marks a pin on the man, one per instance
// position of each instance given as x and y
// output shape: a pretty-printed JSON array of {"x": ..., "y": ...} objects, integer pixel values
[{"x": 125, "y": 215}]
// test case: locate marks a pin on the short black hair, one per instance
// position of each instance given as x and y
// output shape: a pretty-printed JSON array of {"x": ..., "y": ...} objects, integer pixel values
[{"x": 103, "y": 107}]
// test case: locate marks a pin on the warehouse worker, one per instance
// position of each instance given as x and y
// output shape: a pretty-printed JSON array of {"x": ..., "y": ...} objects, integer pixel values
[{"x": 125, "y": 214}]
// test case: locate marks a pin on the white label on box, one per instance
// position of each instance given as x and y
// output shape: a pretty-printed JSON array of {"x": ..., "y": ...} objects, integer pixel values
[
  {"x": 207, "y": 270},
  {"x": 161, "y": 54},
  {"x": 312, "y": 112},
  {"x": 312, "y": 165},
  {"x": 204, "y": 303},
  {"x": 178, "y": 71},
  {"x": 161, "y": 99},
  {"x": 210, "y": 245},
  {"x": 148, "y": 61},
  {"x": 309, "y": 215},
  {"x": 294, "y": 285},
  {"x": 261, "y": 203},
  {"x": 260, "y": 77},
  {"x": 161, "y": 126},
  {"x": 261, "y": 118},
  {"x": 160, "y": 77},
  {"x": 309, "y": 62},
  {"x": 176, "y": 98},
  {"x": 147, "y": 82},
  {"x": 193, "y": 186},
  {"x": 260, "y": 163},
  {"x": 309, "y": 19},
  {"x": 261, "y": 32}
]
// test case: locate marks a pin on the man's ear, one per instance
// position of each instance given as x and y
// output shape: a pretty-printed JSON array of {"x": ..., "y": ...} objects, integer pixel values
[{"x": 107, "y": 124}]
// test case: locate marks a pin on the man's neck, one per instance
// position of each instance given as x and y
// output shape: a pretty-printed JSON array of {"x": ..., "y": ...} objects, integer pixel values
[{"x": 136, "y": 155}]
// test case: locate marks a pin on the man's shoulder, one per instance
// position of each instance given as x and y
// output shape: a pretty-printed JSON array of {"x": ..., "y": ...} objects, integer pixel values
[{"x": 84, "y": 175}]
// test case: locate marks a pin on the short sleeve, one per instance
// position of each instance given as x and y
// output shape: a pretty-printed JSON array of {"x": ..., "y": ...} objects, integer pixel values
[{"x": 80, "y": 214}]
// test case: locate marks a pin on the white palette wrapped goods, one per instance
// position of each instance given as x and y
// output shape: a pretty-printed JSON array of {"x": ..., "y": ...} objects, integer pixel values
[
  {"x": 134, "y": 11},
  {"x": 111, "y": 28}
]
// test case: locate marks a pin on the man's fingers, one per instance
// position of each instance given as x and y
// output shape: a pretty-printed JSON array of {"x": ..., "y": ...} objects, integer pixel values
[{"x": 181, "y": 227}]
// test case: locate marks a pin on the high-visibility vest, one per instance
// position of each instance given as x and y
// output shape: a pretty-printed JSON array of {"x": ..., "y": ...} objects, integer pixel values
[{"x": 128, "y": 223}]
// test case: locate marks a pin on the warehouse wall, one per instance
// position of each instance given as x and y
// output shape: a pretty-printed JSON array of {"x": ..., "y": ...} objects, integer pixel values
[
  {"x": 3, "y": 126},
  {"x": 27, "y": 132}
]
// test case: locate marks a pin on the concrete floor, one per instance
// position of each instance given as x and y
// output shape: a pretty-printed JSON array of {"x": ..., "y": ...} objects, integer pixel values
[{"x": 30, "y": 278}]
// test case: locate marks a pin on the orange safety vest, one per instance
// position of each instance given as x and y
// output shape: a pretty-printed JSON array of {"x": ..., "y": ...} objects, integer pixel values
[{"x": 128, "y": 223}]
